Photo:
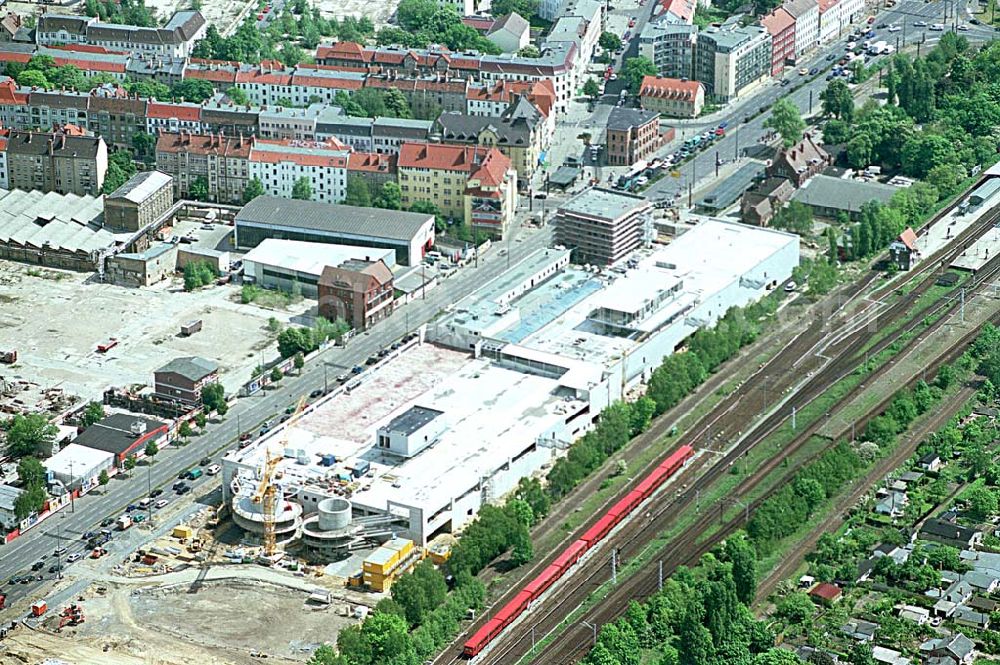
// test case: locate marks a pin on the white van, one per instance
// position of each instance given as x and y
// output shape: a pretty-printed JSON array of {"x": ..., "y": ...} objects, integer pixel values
[{"x": 214, "y": 469}]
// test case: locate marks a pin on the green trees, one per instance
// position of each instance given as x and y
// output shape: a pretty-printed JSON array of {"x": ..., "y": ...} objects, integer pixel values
[
  {"x": 103, "y": 478},
  {"x": 787, "y": 121},
  {"x": 526, "y": 8},
  {"x": 148, "y": 89},
  {"x": 838, "y": 101},
  {"x": 192, "y": 90},
  {"x": 30, "y": 434},
  {"x": 120, "y": 169},
  {"x": 92, "y": 413},
  {"x": 198, "y": 189},
  {"x": 213, "y": 396},
  {"x": 295, "y": 340},
  {"x": 741, "y": 554},
  {"x": 254, "y": 189},
  {"x": 128, "y": 12},
  {"x": 390, "y": 197},
  {"x": 357, "y": 193},
  {"x": 609, "y": 41},
  {"x": 592, "y": 88},
  {"x": 637, "y": 68},
  {"x": 796, "y": 607},
  {"x": 423, "y": 22},
  {"x": 276, "y": 375},
  {"x": 130, "y": 463},
  {"x": 151, "y": 450},
  {"x": 302, "y": 189},
  {"x": 494, "y": 531},
  {"x": 420, "y": 592},
  {"x": 796, "y": 217},
  {"x": 981, "y": 502},
  {"x": 198, "y": 274}
]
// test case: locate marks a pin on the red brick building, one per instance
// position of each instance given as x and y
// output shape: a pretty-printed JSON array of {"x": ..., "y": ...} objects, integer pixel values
[
  {"x": 633, "y": 135},
  {"x": 359, "y": 292},
  {"x": 781, "y": 26}
]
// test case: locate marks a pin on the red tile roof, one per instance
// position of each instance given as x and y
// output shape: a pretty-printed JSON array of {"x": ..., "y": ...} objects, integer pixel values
[
  {"x": 441, "y": 157},
  {"x": 10, "y": 95},
  {"x": 683, "y": 9},
  {"x": 87, "y": 48},
  {"x": 480, "y": 23},
  {"x": 372, "y": 162},
  {"x": 167, "y": 110},
  {"x": 825, "y": 5},
  {"x": 326, "y": 82},
  {"x": 778, "y": 21},
  {"x": 826, "y": 591},
  {"x": 493, "y": 169},
  {"x": 655, "y": 86},
  {"x": 8, "y": 56},
  {"x": 204, "y": 144},
  {"x": 909, "y": 238},
  {"x": 88, "y": 65},
  {"x": 343, "y": 51}
]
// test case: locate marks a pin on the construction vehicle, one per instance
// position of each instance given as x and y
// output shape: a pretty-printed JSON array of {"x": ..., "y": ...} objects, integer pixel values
[
  {"x": 38, "y": 608},
  {"x": 8, "y": 357},
  {"x": 71, "y": 616},
  {"x": 107, "y": 346},
  {"x": 123, "y": 522},
  {"x": 267, "y": 492}
]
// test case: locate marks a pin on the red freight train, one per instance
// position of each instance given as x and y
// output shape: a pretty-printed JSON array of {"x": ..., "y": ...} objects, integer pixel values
[{"x": 594, "y": 535}]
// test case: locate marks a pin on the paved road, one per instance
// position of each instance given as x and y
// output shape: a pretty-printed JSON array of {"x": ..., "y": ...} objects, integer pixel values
[
  {"x": 247, "y": 414},
  {"x": 802, "y": 91}
]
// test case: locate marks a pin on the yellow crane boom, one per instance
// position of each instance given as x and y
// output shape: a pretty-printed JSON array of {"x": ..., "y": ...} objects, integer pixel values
[{"x": 267, "y": 491}]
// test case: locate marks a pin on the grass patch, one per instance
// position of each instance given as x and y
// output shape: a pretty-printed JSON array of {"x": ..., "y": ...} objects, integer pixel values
[{"x": 268, "y": 298}]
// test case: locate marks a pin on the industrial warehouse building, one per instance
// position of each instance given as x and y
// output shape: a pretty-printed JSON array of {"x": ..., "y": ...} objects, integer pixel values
[
  {"x": 290, "y": 265},
  {"x": 139, "y": 202},
  {"x": 123, "y": 435},
  {"x": 409, "y": 234},
  {"x": 538, "y": 353},
  {"x": 78, "y": 467},
  {"x": 54, "y": 230}
]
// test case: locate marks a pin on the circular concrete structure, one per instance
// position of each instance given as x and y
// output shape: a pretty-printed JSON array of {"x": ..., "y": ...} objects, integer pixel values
[
  {"x": 334, "y": 513},
  {"x": 329, "y": 532},
  {"x": 249, "y": 516}
]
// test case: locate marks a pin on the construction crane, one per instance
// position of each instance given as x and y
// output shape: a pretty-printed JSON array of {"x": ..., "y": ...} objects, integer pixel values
[{"x": 267, "y": 492}]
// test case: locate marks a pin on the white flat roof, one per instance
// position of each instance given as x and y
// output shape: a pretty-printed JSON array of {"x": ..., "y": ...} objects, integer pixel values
[
  {"x": 981, "y": 251},
  {"x": 491, "y": 413},
  {"x": 77, "y": 459},
  {"x": 705, "y": 260},
  {"x": 311, "y": 257}
]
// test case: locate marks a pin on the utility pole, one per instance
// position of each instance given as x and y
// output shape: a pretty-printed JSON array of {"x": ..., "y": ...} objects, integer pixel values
[
  {"x": 661, "y": 577},
  {"x": 716, "y": 163},
  {"x": 72, "y": 503},
  {"x": 326, "y": 386},
  {"x": 810, "y": 101},
  {"x": 614, "y": 566},
  {"x": 793, "y": 418},
  {"x": 963, "y": 305},
  {"x": 593, "y": 627}
]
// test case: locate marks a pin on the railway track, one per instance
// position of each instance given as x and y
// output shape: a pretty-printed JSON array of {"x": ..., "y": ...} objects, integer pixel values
[
  {"x": 572, "y": 645},
  {"x": 826, "y": 351}
]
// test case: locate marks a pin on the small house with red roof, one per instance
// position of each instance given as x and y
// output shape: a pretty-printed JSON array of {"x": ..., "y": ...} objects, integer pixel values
[
  {"x": 903, "y": 251},
  {"x": 826, "y": 594}
]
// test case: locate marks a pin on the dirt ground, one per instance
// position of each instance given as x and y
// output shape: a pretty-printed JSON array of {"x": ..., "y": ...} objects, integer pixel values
[
  {"x": 55, "y": 321},
  {"x": 221, "y": 624}
]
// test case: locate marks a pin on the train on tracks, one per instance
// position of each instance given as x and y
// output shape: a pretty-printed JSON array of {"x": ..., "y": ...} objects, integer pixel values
[{"x": 562, "y": 563}]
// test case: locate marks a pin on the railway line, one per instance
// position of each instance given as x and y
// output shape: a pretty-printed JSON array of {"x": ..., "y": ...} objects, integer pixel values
[{"x": 828, "y": 349}]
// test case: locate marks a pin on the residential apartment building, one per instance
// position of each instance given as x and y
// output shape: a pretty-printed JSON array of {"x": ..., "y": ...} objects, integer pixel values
[
  {"x": 176, "y": 38},
  {"x": 280, "y": 164},
  {"x": 360, "y": 292},
  {"x": 670, "y": 46},
  {"x": 173, "y": 117},
  {"x": 632, "y": 135},
  {"x": 62, "y": 161},
  {"x": 183, "y": 379},
  {"x": 731, "y": 58},
  {"x": 374, "y": 168},
  {"x": 806, "y": 15},
  {"x": 4, "y": 173},
  {"x": 446, "y": 175},
  {"x": 851, "y": 11},
  {"x": 830, "y": 20},
  {"x": 518, "y": 133},
  {"x": 603, "y": 226},
  {"x": 781, "y": 26},
  {"x": 467, "y": 7},
  {"x": 280, "y": 122},
  {"x": 675, "y": 98},
  {"x": 222, "y": 161}
]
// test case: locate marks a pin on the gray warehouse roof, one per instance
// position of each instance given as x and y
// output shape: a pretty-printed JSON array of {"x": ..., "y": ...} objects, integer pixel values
[
  {"x": 59, "y": 221},
  {"x": 824, "y": 191},
  {"x": 314, "y": 215},
  {"x": 141, "y": 186},
  {"x": 412, "y": 419},
  {"x": 192, "y": 368},
  {"x": 623, "y": 119}
]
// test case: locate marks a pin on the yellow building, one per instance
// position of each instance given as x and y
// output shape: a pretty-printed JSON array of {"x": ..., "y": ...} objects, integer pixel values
[
  {"x": 469, "y": 183},
  {"x": 383, "y": 566}
]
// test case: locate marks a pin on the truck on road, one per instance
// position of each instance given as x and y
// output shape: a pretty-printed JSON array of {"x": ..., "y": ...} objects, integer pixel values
[{"x": 123, "y": 522}]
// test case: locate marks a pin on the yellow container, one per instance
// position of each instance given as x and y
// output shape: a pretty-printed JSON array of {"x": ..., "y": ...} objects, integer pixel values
[{"x": 182, "y": 531}]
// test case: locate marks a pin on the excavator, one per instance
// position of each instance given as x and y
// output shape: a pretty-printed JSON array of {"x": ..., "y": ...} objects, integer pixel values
[{"x": 71, "y": 616}]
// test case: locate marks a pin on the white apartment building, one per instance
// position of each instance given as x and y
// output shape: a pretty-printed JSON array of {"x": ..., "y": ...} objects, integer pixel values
[
  {"x": 806, "y": 15},
  {"x": 280, "y": 164},
  {"x": 829, "y": 20}
]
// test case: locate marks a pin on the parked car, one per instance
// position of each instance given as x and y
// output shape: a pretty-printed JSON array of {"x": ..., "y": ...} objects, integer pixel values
[
  {"x": 316, "y": 393},
  {"x": 802, "y": 72},
  {"x": 155, "y": 493},
  {"x": 832, "y": 56},
  {"x": 75, "y": 556},
  {"x": 205, "y": 461},
  {"x": 920, "y": 24},
  {"x": 38, "y": 565},
  {"x": 161, "y": 503},
  {"x": 60, "y": 550},
  {"x": 814, "y": 71},
  {"x": 357, "y": 369},
  {"x": 87, "y": 535},
  {"x": 107, "y": 521}
]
